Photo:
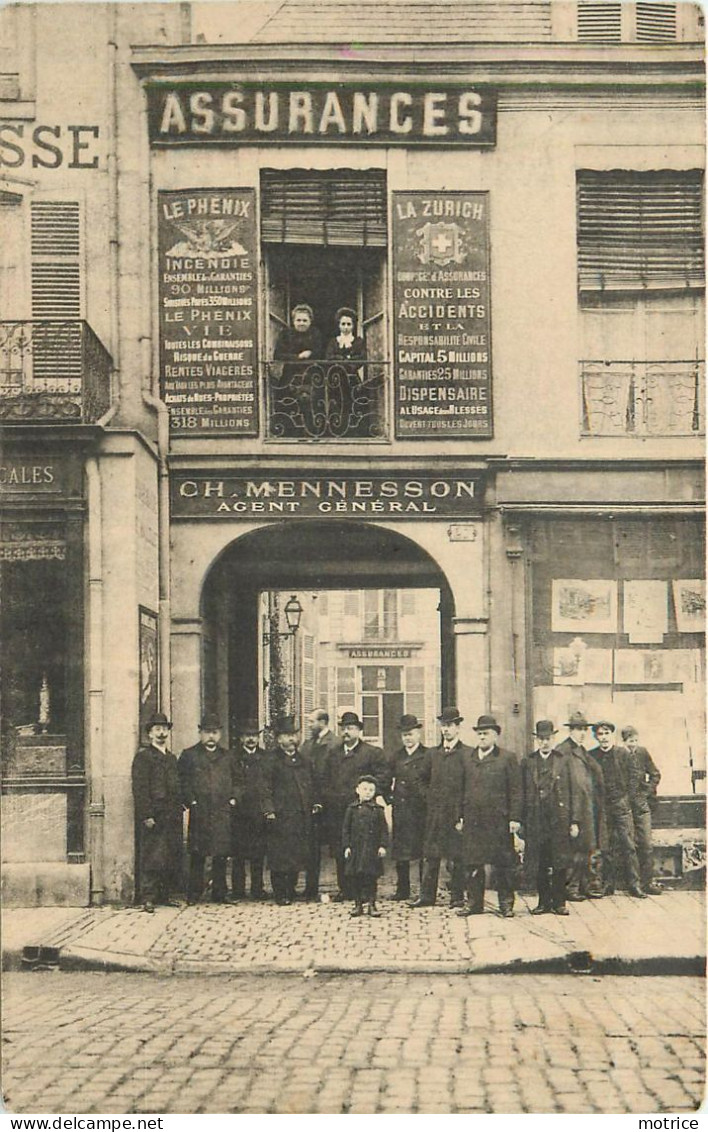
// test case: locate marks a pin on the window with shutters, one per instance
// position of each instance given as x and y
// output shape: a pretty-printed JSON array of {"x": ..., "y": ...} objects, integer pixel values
[
  {"x": 324, "y": 238},
  {"x": 56, "y": 289},
  {"x": 615, "y": 21},
  {"x": 640, "y": 281}
]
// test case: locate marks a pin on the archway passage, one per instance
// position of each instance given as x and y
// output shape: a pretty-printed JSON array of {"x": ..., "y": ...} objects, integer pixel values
[{"x": 255, "y": 574}]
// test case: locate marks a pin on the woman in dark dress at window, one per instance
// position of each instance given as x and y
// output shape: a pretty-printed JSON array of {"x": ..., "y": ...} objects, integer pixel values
[{"x": 346, "y": 346}]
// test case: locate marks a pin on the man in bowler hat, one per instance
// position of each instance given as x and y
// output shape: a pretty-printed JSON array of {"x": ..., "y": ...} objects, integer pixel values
[
  {"x": 344, "y": 768},
  {"x": 289, "y": 799},
  {"x": 158, "y": 816},
  {"x": 410, "y": 772},
  {"x": 442, "y": 840},
  {"x": 248, "y": 823},
  {"x": 584, "y": 873},
  {"x": 209, "y": 792},
  {"x": 616, "y": 765},
  {"x": 490, "y": 815},
  {"x": 318, "y": 748},
  {"x": 550, "y": 820}
]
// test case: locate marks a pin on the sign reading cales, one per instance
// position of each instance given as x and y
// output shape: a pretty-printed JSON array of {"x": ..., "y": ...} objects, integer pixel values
[
  {"x": 227, "y": 113},
  {"x": 441, "y": 316},
  {"x": 208, "y": 287}
]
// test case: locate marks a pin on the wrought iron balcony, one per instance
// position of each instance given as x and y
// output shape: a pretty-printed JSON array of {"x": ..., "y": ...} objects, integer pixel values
[
  {"x": 52, "y": 370},
  {"x": 642, "y": 398},
  {"x": 327, "y": 400}
]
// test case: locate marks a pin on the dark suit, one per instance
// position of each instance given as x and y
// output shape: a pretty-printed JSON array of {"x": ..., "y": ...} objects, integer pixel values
[
  {"x": 644, "y": 779},
  {"x": 156, "y": 793},
  {"x": 343, "y": 770},
  {"x": 411, "y": 778},
  {"x": 208, "y": 780},
  {"x": 491, "y": 799},
  {"x": 248, "y": 823},
  {"x": 618, "y": 774},
  {"x": 289, "y": 792},
  {"x": 549, "y": 809},
  {"x": 584, "y": 872},
  {"x": 442, "y": 840},
  {"x": 318, "y": 751}
]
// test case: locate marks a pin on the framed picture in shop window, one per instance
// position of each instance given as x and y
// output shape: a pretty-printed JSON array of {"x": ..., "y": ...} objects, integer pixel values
[
  {"x": 584, "y": 606},
  {"x": 148, "y": 662},
  {"x": 690, "y": 604}
]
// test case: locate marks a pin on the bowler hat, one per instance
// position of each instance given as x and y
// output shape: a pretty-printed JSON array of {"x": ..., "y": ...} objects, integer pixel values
[
  {"x": 157, "y": 719},
  {"x": 366, "y": 778},
  {"x": 603, "y": 723},
  {"x": 577, "y": 719},
  {"x": 450, "y": 715},
  {"x": 345, "y": 312},
  {"x": 249, "y": 727},
  {"x": 285, "y": 725},
  {"x": 487, "y": 723},
  {"x": 544, "y": 729},
  {"x": 350, "y": 717},
  {"x": 210, "y": 722},
  {"x": 408, "y": 722}
]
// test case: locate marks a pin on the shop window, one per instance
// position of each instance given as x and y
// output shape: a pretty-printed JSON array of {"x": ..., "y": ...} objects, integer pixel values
[
  {"x": 324, "y": 236},
  {"x": 640, "y": 278}
]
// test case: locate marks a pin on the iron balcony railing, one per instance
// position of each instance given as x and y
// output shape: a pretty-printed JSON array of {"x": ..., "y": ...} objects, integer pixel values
[
  {"x": 642, "y": 398},
  {"x": 327, "y": 400},
  {"x": 53, "y": 370}
]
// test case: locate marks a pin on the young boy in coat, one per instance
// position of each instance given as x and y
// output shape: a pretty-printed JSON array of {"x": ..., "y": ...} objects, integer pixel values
[{"x": 364, "y": 839}]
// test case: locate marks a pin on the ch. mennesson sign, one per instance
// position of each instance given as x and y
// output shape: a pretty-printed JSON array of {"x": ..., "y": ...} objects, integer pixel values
[
  {"x": 226, "y": 113},
  {"x": 277, "y": 495}
]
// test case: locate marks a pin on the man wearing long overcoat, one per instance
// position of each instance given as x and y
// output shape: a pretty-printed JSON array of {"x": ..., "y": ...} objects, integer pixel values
[
  {"x": 158, "y": 816},
  {"x": 490, "y": 815},
  {"x": 248, "y": 823},
  {"x": 616, "y": 765},
  {"x": 345, "y": 766},
  {"x": 442, "y": 841},
  {"x": 318, "y": 748},
  {"x": 289, "y": 799},
  {"x": 549, "y": 820},
  {"x": 584, "y": 873},
  {"x": 209, "y": 790},
  {"x": 410, "y": 770},
  {"x": 644, "y": 780}
]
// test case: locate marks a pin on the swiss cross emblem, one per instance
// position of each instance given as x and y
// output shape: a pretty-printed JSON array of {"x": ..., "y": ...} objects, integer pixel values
[{"x": 440, "y": 243}]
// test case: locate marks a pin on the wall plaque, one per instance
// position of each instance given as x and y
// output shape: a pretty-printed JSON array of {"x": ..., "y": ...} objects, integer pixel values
[
  {"x": 441, "y": 316},
  {"x": 208, "y": 289}
]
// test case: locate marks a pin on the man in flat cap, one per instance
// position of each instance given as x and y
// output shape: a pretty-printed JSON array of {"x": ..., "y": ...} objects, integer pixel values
[
  {"x": 490, "y": 815},
  {"x": 585, "y": 871},
  {"x": 209, "y": 792},
  {"x": 616, "y": 766},
  {"x": 644, "y": 781},
  {"x": 289, "y": 800},
  {"x": 318, "y": 748},
  {"x": 345, "y": 766},
  {"x": 442, "y": 840},
  {"x": 248, "y": 823},
  {"x": 550, "y": 820},
  {"x": 158, "y": 816},
  {"x": 410, "y": 767}
]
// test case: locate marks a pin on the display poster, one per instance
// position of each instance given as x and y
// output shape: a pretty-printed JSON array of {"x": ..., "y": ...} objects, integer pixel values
[
  {"x": 690, "y": 605},
  {"x": 646, "y": 611},
  {"x": 148, "y": 660},
  {"x": 584, "y": 605},
  {"x": 208, "y": 310},
  {"x": 442, "y": 324}
]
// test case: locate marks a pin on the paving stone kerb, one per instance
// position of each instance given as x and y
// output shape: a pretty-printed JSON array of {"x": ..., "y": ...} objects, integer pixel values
[{"x": 661, "y": 935}]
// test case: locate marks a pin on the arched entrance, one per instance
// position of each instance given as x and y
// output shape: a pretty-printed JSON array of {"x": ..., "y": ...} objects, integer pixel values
[{"x": 320, "y": 558}]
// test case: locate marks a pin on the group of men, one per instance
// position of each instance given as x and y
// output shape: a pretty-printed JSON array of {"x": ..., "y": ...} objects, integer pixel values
[{"x": 576, "y": 816}]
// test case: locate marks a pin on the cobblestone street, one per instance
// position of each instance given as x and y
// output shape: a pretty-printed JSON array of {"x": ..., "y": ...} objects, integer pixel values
[{"x": 121, "y": 1043}]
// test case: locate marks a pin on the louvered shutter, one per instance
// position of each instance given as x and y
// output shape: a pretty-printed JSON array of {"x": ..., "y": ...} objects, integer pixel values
[
  {"x": 640, "y": 230},
  {"x": 599, "y": 22},
  {"x": 338, "y": 208},
  {"x": 56, "y": 290},
  {"x": 656, "y": 23}
]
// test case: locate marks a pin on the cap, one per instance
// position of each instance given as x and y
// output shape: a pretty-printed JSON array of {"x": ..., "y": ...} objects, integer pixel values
[
  {"x": 630, "y": 733},
  {"x": 602, "y": 723}
]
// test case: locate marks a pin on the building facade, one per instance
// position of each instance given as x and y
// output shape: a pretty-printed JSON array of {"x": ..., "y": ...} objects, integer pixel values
[{"x": 507, "y": 201}]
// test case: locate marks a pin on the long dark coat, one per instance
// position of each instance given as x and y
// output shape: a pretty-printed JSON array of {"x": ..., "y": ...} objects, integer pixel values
[
  {"x": 157, "y": 794},
  {"x": 491, "y": 799},
  {"x": 411, "y": 779},
  {"x": 318, "y": 751},
  {"x": 562, "y": 809},
  {"x": 208, "y": 785},
  {"x": 342, "y": 773},
  {"x": 444, "y": 803},
  {"x": 588, "y": 790},
  {"x": 364, "y": 832},
  {"x": 248, "y": 823},
  {"x": 288, "y": 791}
]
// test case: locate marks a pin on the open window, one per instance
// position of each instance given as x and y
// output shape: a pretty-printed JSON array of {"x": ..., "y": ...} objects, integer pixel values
[{"x": 324, "y": 236}]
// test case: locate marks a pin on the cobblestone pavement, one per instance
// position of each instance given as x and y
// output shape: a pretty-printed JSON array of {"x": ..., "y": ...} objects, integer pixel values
[{"x": 121, "y": 1043}]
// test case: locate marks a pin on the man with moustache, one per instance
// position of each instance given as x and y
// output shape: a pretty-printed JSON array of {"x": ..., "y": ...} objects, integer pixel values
[
  {"x": 584, "y": 872},
  {"x": 410, "y": 771},
  {"x": 442, "y": 841},
  {"x": 617, "y": 770},
  {"x": 289, "y": 799},
  {"x": 158, "y": 816},
  {"x": 550, "y": 824},
  {"x": 318, "y": 748},
  {"x": 248, "y": 823},
  {"x": 209, "y": 792},
  {"x": 490, "y": 816},
  {"x": 345, "y": 766}
]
